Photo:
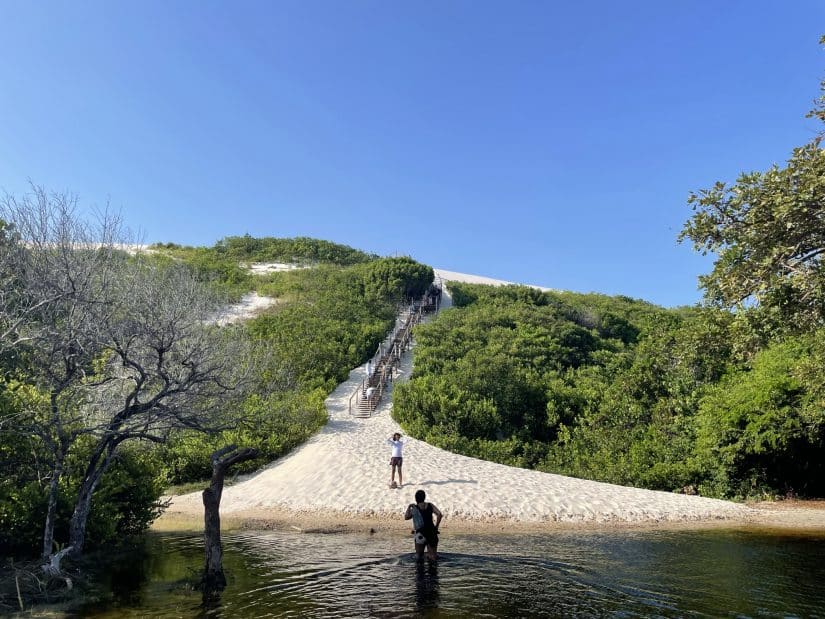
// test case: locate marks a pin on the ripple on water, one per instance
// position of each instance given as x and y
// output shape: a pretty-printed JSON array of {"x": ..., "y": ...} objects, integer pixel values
[{"x": 584, "y": 574}]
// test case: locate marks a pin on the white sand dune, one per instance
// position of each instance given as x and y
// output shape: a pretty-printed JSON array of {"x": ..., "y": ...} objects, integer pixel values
[
  {"x": 345, "y": 469},
  {"x": 264, "y": 268},
  {"x": 250, "y": 305},
  {"x": 452, "y": 276}
]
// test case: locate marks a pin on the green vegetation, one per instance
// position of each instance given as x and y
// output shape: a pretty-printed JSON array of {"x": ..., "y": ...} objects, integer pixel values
[
  {"x": 224, "y": 263},
  {"x": 330, "y": 319},
  {"x": 727, "y": 400},
  {"x": 126, "y": 501},
  {"x": 301, "y": 250},
  {"x": 762, "y": 426},
  {"x": 617, "y": 390},
  {"x": 63, "y": 438}
]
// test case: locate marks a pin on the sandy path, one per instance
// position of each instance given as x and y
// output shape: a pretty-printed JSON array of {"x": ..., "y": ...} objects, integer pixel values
[{"x": 344, "y": 470}]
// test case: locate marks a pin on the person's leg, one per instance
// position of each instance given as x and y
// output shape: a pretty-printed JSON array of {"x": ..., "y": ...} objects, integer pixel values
[
  {"x": 392, "y": 474},
  {"x": 432, "y": 551},
  {"x": 400, "y": 481},
  {"x": 419, "y": 551}
]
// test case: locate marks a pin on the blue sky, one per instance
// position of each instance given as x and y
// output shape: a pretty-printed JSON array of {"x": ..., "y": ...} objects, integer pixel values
[{"x": 551, "y": 143}]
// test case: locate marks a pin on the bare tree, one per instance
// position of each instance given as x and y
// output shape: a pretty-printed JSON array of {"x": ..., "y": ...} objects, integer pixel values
[
  {"x": 168, "y": 368},
  {"x": 50, "y": 258},
  {"x": 213, "y": 576},
  {"x": 121, "y": 345},
  {"x": 53, "y": 268}
]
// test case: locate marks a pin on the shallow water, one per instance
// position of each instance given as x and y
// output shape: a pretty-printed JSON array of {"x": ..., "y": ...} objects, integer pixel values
[{"x": 560, "y": 574}]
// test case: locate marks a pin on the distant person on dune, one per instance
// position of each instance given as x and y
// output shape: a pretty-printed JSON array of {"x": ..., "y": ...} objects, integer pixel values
[
  {"x": 397, "y": 458},
  {"x": 426, "y": 531}
]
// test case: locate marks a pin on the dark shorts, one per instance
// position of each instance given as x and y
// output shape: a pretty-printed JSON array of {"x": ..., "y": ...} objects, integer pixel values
[
  {"x": 396, "y": 461},
  {"x": 430, "y": 536}
]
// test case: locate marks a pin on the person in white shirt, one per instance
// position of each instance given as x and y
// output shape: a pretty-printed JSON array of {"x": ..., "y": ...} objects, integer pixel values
[{"x": 396, "y": 460}]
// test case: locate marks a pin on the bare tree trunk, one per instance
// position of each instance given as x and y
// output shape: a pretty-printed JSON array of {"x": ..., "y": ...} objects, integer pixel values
[
  {"x": 83, "y": 506},
  {"x": 52, "y": 568},
  {"x": 213, "y": 578},
  {"x": 51, "y": 510},
  {"x": 77, "y": 526}
]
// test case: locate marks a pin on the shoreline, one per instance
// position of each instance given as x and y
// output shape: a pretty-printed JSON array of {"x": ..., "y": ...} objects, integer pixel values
[{"x": 787, "y": 516}]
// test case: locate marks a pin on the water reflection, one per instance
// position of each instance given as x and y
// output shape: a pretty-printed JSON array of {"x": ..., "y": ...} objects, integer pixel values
[
  {"x": 426, "y": 584},
  {"x": 585, "y": 574}
]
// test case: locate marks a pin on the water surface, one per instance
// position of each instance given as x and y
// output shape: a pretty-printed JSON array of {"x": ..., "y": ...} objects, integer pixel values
[{"x": 711, "y": 573}]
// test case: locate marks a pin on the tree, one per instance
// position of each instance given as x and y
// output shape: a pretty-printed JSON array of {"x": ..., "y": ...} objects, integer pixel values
[
  {"x": 166, "y": 369},
  {"x": 768, "y": 233},
  {"x": 762, "y": 429},
  {"x": 213, "y": 576},
  {"x": 121, "y": 347},
  {"x": 53, "y": 267}
]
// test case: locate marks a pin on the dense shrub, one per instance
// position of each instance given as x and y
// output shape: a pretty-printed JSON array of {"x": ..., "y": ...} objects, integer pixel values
[
  {"x": 296, "y": 250},
  {"x": 618, "y": 390},
  {"x": 273, "y": 424},
  {"x": 761, "y": 429},
  {"x": 126, "y": 501}
]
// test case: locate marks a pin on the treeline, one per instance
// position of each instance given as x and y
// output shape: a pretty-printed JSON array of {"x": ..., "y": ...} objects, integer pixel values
[
  {"x": 225, "y": 261},
  {"x": 115, "y": 380},
  {"x": 301, "y": 249},
  {"x": 618, "y": 390}
]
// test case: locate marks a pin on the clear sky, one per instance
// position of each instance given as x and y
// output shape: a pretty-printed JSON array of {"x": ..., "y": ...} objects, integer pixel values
[{"x": 551, "y": 143}]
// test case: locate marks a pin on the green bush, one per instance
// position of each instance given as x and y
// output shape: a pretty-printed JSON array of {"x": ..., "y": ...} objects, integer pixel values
[
  {"x": 273, "y": 424},
  {"x": 761, "y": 429},
  {"x": 125, "y": 503}
]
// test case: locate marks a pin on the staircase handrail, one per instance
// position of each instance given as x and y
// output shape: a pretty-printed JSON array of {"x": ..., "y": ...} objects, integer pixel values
[{"x": 398, "y": 340}]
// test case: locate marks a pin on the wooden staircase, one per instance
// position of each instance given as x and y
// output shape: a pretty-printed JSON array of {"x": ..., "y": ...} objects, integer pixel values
[{"x": 366, "y": 398}]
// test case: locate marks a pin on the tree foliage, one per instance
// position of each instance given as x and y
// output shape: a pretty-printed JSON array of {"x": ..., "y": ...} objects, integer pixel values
[
  {"x": 767, "y": 232},
  {"x": 103, "y": 348},
  {"x": 762, "y": 428}
]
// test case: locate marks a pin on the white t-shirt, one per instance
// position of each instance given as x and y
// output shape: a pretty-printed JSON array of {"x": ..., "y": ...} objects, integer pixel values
[{"x": 396, "y": 447}]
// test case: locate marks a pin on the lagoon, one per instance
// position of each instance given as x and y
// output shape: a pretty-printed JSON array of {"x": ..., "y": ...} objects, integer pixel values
[{"x": 707, "y": 573}]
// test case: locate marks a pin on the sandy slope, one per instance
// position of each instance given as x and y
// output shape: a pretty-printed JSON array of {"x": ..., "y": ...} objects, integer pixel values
[
  {"x": 344, "y": 470},
  {"x": 250, "y": 305}
]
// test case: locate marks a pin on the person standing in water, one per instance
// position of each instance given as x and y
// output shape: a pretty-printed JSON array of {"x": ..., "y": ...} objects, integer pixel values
[
  {"x": 426, "y": 531},
  {"x": 397, "y": 459}
]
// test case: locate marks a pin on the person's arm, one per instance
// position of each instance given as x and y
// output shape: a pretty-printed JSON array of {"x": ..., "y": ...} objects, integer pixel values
[
  {"x": 438, "y": 516},
  {"x": 408, "y": 513}
]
